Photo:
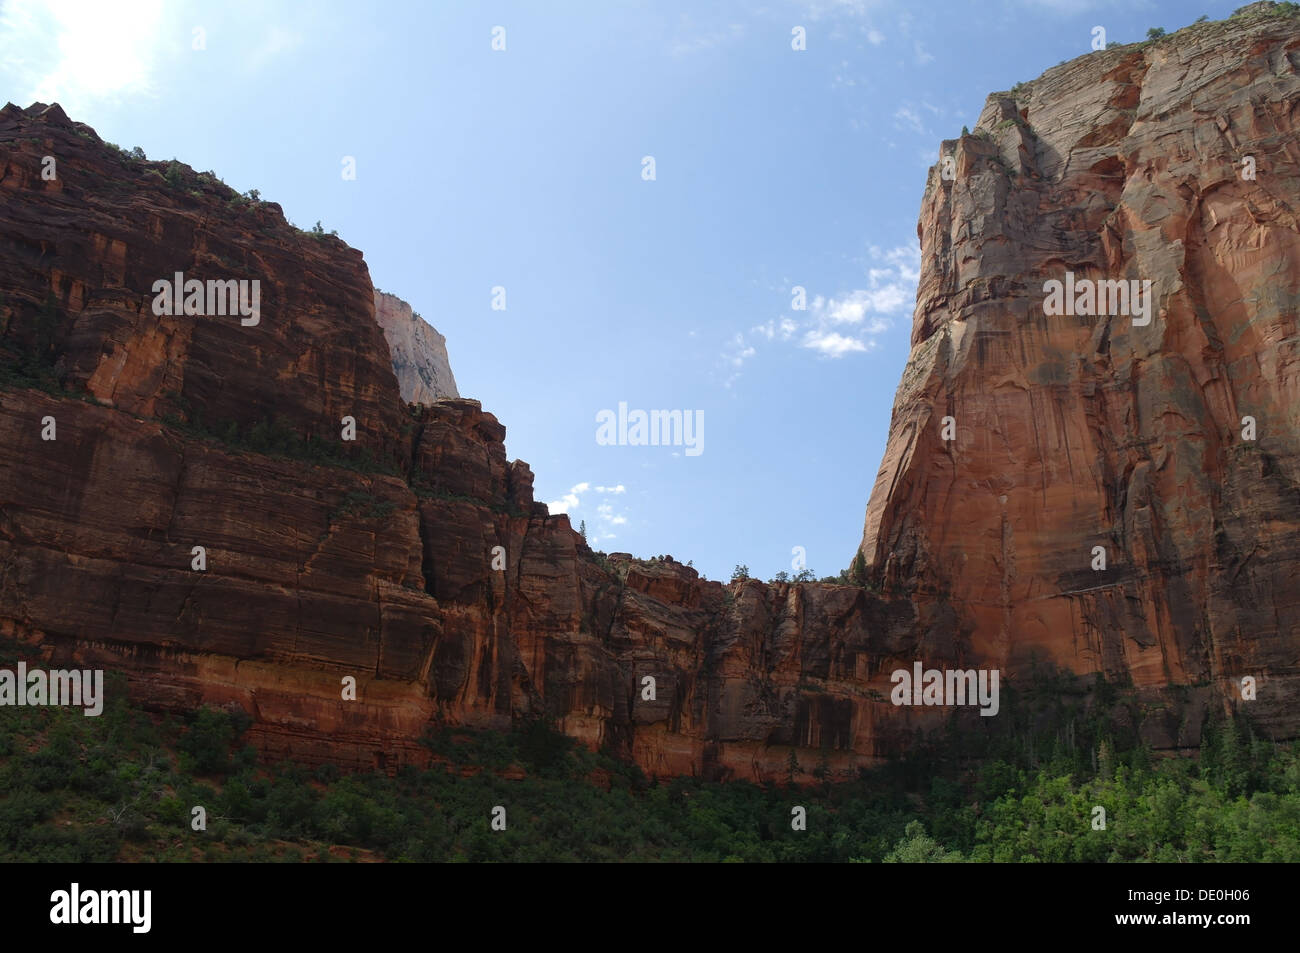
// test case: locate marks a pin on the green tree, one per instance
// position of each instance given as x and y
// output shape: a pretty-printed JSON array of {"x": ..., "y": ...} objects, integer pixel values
[
  {"x": 916, "y": 847},
  {"x": 175, "y": 174},
  {"x": 740, "y": 572},
  {"x": 858, "y": 571},
  {"x": 208, "y": 740},
  {"x": 582, "y": 530},
  {"x": 1155, "y": 33}
]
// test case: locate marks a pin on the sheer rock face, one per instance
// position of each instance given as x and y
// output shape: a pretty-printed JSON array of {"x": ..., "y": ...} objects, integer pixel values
[
  {"x": 1073, "y": 432},
  {"x": 419, "y": 352},
  {"x": 426, "y": 572},
  {"x": 430, "y": 576}
]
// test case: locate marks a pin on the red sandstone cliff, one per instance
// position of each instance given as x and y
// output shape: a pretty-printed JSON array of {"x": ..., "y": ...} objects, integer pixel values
[
  {"x": 374, "y": 558},
  {"x": 325, "y": 559},
  {"x": 1073, "y": 432}
]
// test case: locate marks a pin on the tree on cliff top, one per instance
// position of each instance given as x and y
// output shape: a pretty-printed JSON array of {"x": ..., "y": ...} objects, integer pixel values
[{"x": 858, "y": 571}]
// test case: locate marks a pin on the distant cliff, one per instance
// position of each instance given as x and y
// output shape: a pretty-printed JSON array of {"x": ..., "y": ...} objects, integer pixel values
[{"x": 419, "y": 351}]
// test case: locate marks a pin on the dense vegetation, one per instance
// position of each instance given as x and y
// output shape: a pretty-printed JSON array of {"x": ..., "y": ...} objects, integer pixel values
[{"x": 122, "y": 786}]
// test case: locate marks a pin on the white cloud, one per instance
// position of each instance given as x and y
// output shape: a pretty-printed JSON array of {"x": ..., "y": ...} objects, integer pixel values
[
  {"x": 842, "y": 324},
  {"x": 608, "y": 517},
  {"x": 904, "y": 259},
  {"x": 570, "y": 500},
  {"x": 603, "y": 519},
  {"x": 76, "y": 52},
  {"x": 832, "y": 344},
  {"x": 774, "y": 329},
  {"x": 740, "y": 351},
  {"x": 875, "y": 37},
  {"x": 922, "y": 57}
]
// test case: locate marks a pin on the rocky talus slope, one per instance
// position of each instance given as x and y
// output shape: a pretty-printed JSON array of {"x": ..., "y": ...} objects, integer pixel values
[{"x": 414, "y": 559}]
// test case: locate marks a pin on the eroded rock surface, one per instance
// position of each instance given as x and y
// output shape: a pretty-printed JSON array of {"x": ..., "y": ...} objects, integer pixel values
[
  {"x": 418, "y": 351},
  {"x": 1073, "y": 432},
  {"x": 415, "y": 559}
]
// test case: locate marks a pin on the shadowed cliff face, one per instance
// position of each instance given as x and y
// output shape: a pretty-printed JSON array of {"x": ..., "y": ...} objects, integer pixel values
[
  {"x": 1073, "y": 432},
  {"x": 415, "y": 561}
]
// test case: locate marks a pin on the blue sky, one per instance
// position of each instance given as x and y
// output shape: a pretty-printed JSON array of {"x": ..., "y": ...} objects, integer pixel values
[{"x": 523, "y": 168}]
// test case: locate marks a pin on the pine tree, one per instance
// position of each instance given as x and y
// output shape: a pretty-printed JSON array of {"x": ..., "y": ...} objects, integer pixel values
[{"x": 858, "y": 571}]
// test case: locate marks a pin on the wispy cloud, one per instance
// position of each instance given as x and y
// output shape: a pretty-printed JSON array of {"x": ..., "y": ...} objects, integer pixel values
[
  {"x": 822, "y": 9},
  {"x": 690, "y": 37},
  {"x": 835, "y": 326},
  {"x": 776, "y": 329},
  {"x": 908, "y": 118},
  {"x": 734, "y": 356}
]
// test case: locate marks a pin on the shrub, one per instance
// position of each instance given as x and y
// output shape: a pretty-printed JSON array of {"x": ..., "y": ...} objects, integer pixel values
[
  {"x": 208, "y": 740},
  {"x": 174, "y": 174}
]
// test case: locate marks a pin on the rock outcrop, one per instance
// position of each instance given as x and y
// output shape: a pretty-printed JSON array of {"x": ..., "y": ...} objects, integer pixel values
[
  {"x": 419, "y": 352},
  {"x": 412, "y": 559},
  {"x": 1171, "y": 445},
  {"x": 201, "y": 520}
]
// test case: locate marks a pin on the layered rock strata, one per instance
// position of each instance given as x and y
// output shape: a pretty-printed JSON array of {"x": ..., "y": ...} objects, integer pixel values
[{"x": 415, "y": 560}]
